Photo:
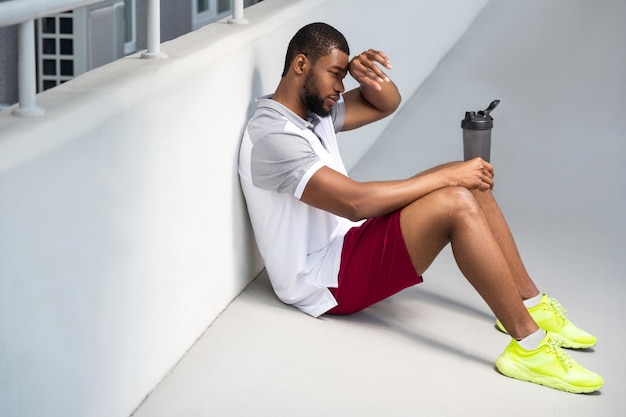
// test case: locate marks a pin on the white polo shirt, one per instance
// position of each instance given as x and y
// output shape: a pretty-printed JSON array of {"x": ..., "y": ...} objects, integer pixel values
[{"x": 300, "y": 245}]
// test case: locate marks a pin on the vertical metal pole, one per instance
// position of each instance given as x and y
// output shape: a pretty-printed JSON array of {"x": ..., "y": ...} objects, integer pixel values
[
  {"x": 154, "y": 31},
  {"x": 27, "y": 78},
  {"x": 238, "y": 13}
]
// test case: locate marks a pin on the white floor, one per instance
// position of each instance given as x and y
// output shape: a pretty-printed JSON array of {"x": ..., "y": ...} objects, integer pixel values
[{"x": 559, "y": 148}]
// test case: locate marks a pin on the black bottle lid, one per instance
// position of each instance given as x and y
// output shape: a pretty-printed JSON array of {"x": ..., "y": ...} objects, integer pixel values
[{"x": 480, "y": 120}]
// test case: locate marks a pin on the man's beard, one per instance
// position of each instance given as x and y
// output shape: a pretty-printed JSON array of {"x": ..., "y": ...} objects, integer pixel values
[{"x": 314, "y": 103}]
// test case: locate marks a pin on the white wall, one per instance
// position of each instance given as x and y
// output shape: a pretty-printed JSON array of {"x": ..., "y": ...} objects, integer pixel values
[{"x": 123, "y": 232}]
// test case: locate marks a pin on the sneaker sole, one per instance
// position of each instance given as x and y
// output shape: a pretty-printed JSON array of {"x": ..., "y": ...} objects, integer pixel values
[
  {"x": 573, "y": 345},
  {"x": 516, "y": 371}
]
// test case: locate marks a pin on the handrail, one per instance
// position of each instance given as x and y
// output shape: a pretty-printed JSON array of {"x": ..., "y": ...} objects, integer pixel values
[{"x": 24, "y": 12}]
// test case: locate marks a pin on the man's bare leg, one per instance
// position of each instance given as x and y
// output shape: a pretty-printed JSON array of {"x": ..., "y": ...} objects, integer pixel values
[
  {"x": 481, "y": 242},
  {"x": 453, "y": 215},
  {"x": 502, "y": 233},
  {"x": 504, "y": 237}
]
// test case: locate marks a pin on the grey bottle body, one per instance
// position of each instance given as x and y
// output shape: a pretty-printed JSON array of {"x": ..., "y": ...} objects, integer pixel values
[
  {"x": 477, "y": 143},
  {"x": 477, "y": 128}
]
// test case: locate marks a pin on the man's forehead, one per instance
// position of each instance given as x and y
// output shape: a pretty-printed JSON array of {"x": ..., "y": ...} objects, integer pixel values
[{"x": 336, "y": 58}]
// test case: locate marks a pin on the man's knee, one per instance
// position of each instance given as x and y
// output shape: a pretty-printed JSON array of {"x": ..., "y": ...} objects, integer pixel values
[
  {"x": 459, "y": 201},
  {"x": 432, "y": 220},
  {"x": 446, "y": 204}
]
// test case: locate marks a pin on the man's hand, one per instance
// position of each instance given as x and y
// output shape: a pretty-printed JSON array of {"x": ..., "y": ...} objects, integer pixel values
[
  {"x": 475, "y": 174},
  {"x": 364, "y": 68},
  {"x": 376, "y": 97}
]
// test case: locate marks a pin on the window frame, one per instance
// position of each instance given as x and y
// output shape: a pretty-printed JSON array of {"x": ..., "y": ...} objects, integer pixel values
[{"x": 200, "y": 19}]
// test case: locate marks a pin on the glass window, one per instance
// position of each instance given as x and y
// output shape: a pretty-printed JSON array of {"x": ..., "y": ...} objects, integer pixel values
[
  {"x": 49, "y": 46},
  {"x": 130, "y": 27},
  {"x": 66, "y": 46},
  {"x": 67, "y": 67},
  {"x": 65, "y": 25},
  {"x": 49, "y": 67},
  {"x": 209, "y": 11},
  {"x": 48, "y": 84},
  {"x": 223, "y": 6},
  {"x": 128, "y": 20},
  {"x": 56, "y": 49},
  {"x": 49, "y": 25},
  {"x": 202, "y": 6}
]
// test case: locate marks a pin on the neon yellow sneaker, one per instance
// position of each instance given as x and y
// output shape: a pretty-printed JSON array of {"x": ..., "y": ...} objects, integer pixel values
[
  {"x": 547, "y": 365},
  {"x": 550, "y": 315}
]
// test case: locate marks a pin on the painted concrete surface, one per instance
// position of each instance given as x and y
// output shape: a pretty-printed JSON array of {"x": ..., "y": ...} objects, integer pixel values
[{"x": 560, "y": 157}]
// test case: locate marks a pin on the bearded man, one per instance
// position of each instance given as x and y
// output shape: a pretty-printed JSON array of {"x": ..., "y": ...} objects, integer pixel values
[{"x": 332, "y": 245}]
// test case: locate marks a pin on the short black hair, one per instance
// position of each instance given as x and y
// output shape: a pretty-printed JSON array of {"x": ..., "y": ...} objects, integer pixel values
[{"x": 315, "y": 40}]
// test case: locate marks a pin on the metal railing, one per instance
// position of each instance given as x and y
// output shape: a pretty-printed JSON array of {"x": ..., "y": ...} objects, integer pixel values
[{"x": 24, "y": 13}]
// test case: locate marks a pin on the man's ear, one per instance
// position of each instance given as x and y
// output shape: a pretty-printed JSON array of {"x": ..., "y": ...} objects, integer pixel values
[{"x": 300, "y": 64}]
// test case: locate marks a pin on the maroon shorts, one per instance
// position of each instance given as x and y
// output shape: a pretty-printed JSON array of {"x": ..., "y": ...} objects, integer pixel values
[{"x": 375, "y": 264}]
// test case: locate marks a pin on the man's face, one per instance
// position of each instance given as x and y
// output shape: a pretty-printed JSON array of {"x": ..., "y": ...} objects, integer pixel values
[{"x": 324, "y": 82}]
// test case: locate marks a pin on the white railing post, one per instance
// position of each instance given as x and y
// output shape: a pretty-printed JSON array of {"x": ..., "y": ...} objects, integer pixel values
[
  {"x": 154, "y": 31},
  {"x": 27, "y": 78},
  {"x": 238, "y": 13}
]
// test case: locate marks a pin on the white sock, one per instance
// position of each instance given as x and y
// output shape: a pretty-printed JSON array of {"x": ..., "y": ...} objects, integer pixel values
[
  {"x": 531, "y": 342},
  {"x": 534, "y": 301}
]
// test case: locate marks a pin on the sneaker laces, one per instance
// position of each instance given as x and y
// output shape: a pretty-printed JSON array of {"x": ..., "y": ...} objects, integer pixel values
[
  {"x": 555, "y": 306},
  {"x": 563, "y": 357}
]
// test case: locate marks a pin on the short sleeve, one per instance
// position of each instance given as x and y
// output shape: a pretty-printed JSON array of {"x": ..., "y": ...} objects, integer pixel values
[{"x": 280, "y": 158}]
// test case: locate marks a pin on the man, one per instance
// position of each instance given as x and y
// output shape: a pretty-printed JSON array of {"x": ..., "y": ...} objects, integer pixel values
[{"x": 333, "y": 245}]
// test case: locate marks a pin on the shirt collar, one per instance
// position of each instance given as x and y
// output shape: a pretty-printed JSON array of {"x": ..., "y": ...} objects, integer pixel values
[{"x": 267, "y": 102}]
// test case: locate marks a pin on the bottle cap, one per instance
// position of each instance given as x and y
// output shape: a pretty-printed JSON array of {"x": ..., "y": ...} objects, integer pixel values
[{"x": 480, "y": 120}]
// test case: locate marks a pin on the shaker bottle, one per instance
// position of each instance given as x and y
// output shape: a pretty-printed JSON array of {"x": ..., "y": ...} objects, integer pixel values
[{"x": 477, "y": 133}]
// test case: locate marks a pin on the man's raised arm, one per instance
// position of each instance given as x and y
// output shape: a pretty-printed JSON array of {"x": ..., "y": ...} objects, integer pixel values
[{"x": 376, "y": 97}]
